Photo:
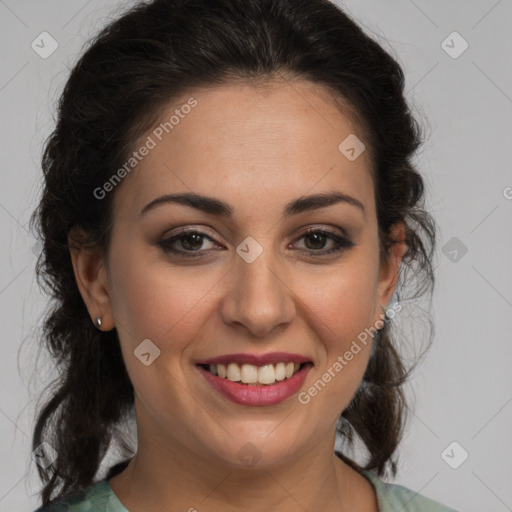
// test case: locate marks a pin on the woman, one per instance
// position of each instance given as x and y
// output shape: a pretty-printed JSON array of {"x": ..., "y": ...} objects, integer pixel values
[{"x": 229, "y": 204}]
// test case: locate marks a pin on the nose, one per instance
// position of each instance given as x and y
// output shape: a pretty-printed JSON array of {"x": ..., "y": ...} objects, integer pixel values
[{"x": 259, "y": 297}]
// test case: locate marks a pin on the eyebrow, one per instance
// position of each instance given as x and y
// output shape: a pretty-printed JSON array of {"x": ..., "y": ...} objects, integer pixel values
[{"x": 213, "y": 206}]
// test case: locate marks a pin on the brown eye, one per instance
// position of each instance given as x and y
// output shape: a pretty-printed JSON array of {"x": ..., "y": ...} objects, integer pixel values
[
  {"x": 185, "y": 243},
  {"x": 316, "y": 239},
  {"x": 188, "y": 243},
  {"x": 191, "y": 241}
]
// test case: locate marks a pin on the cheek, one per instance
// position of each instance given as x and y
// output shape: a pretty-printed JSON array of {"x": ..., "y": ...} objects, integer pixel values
[
  {"x": 152, "y": 301},
  {"x": 157, "y": 301},
  {"x": 343, "y": 301},
  {"x": 343, "y": 315}
]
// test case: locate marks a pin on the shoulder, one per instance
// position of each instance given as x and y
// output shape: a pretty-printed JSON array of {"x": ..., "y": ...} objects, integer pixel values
[
  {"x": 96, "y": 497},
  {"x": 392, "y": 497}
]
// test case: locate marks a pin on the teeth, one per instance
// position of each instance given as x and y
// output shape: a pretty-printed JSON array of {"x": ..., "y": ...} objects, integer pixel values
[
  {"x": 251, "y": 374},
  {"x": 234, "y": 372},
  {"x": 266, "y": 374},
  {"x": 280, "y": 371},
  {"x": 221, "y": 370}
]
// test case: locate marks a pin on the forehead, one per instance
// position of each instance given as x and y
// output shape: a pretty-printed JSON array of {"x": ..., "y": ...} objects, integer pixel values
[{"x": 254, "y": 146}]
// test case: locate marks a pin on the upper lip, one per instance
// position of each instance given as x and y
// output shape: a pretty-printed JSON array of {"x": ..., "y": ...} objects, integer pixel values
[{"x": 257, "y": 360}]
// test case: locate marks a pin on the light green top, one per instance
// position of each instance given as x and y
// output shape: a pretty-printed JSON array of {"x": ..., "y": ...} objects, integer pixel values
[{"x": 390, "y": 497}]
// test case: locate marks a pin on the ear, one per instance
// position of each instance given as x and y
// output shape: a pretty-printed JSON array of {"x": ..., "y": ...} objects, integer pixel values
[
  {"x": 90, "y": 271},
  {"x": 388, "y": 274}
]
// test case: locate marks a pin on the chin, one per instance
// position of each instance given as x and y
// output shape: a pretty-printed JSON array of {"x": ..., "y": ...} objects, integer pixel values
[{"x": 256, "y": 450}]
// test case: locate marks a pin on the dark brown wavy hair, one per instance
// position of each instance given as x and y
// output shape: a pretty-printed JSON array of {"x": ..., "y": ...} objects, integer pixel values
[{"x": 151, "y": 53}]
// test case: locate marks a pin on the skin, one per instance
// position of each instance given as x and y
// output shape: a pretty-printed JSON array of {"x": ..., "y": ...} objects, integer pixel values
[{"x": 255, "y": 149}]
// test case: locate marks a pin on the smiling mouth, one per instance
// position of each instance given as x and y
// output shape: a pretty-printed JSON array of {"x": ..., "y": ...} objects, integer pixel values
[{"x": 265, "y": 375}]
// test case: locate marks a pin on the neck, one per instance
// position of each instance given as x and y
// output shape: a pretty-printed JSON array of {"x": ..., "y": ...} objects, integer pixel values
[
  {"x": 156, "y": 478},
  {"x": 174, "y": 472}
]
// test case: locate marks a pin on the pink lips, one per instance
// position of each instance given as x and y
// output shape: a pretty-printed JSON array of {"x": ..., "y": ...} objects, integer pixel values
[
  {"x": 257, "y": 360},
  {"x": 261, "y": 395}
]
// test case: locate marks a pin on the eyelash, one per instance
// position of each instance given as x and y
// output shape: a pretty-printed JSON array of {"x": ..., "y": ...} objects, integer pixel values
[{"x": 342, "y": 243}]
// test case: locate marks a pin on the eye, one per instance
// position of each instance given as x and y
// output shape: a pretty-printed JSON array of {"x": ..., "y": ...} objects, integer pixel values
[
  {"x": 189, "y": 241},
  {"x": 317, "y": 239}
]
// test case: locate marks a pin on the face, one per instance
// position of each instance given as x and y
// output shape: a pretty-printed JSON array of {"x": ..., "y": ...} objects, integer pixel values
[{"x": 248, "y": 284}]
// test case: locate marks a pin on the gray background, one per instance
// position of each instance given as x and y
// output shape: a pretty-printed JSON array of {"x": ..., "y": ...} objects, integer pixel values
[{"x": 462, "y": 390}]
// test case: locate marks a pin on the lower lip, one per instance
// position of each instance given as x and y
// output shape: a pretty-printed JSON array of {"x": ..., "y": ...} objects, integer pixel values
[{"x": 246, "y": 394}]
